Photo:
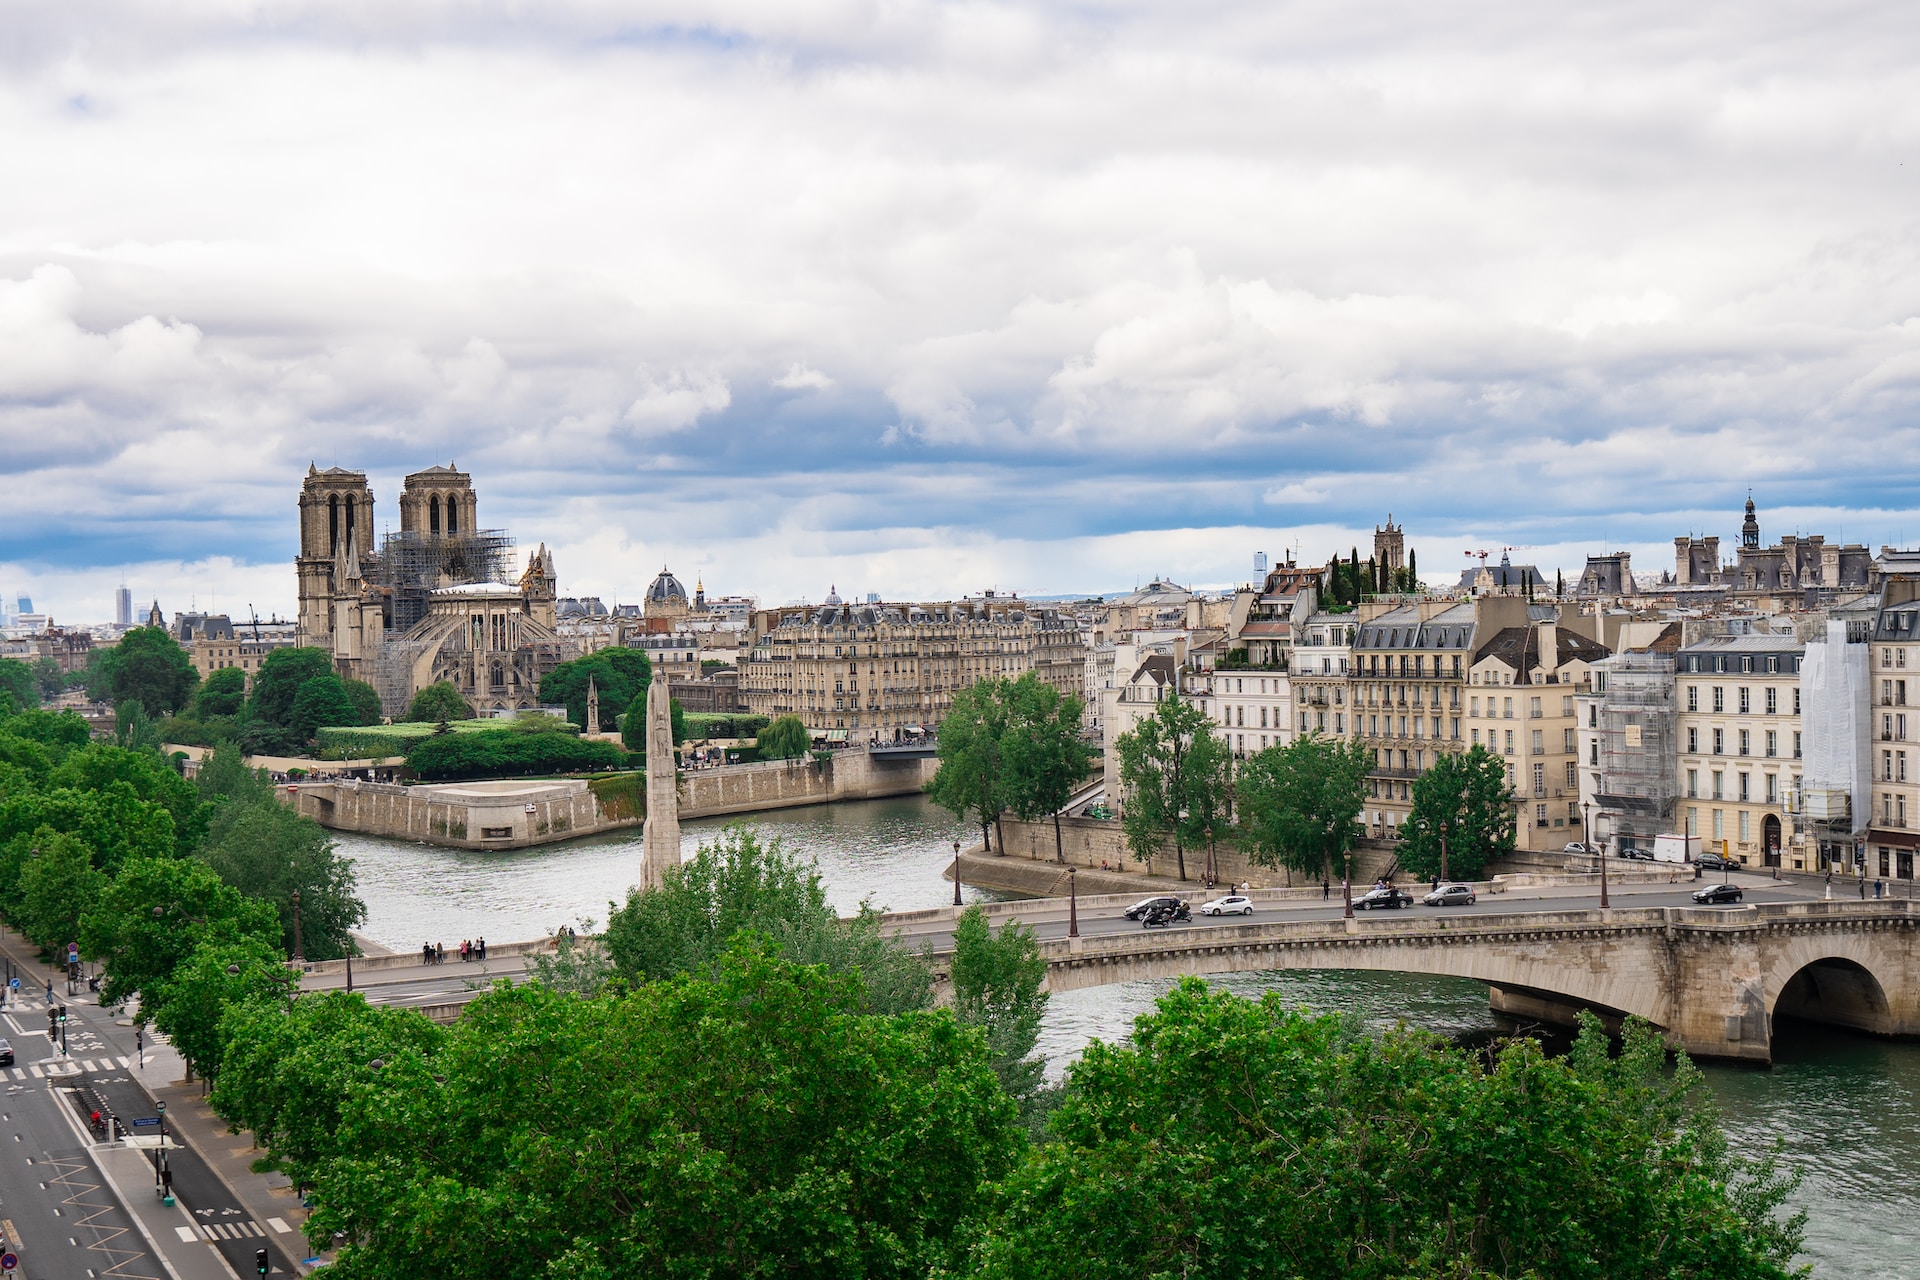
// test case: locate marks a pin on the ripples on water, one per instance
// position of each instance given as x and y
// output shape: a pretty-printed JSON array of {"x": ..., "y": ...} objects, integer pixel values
[{"x": 1843, "y": 1107}]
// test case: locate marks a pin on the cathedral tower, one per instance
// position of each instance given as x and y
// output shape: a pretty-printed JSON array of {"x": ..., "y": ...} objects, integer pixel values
[
  {"x": 336, "y": 527},
  {"x": 439, "y": 500}
]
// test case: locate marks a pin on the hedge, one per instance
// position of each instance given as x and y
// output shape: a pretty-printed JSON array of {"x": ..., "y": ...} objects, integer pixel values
[
  {"x": 509, "y": 753},
  {"x": 719, "y": 724},
  {"x": 376, "y": 740}
]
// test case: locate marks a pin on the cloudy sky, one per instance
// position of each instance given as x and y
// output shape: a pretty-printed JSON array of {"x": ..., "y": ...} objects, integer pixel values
[{"x": 921, "y": 298}]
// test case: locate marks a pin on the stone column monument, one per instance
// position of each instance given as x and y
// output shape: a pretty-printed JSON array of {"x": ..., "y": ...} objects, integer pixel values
[{"x": 660, "y": 843}]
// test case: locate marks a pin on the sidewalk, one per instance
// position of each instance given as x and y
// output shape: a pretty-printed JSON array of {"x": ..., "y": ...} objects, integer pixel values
[{"x": 159, "y": 1075}]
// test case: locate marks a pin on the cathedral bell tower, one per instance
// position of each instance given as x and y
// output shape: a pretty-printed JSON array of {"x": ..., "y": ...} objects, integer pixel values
[{"x": 336, "y": 528}]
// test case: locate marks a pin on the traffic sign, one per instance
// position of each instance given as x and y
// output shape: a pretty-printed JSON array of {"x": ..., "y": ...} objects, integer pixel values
[
  {"x": 8, "y": 1261},
  {"x": 142, "y": 1122}
]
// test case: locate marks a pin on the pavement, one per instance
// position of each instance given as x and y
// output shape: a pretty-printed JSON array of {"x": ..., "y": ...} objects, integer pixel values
[{"x": 224, "y": 1211}]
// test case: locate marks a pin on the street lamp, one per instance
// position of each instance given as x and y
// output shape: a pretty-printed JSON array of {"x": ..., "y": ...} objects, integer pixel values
[
  {"x": 1346, "y": 883},
  {"x": 1586, "y": 837},
  {"x": 1073, "y": 906},
  {"x": 299, "y": 952},
  {"x": 1444, "y": 877},
  {"x": 956, "y": 873}
]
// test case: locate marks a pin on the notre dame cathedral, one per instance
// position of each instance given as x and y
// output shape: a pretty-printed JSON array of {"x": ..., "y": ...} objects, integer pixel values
[{"x": 437, "y": 600}]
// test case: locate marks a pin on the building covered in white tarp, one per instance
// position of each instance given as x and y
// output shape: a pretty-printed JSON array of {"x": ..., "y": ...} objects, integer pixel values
[{"x": 1835, "y": 799}]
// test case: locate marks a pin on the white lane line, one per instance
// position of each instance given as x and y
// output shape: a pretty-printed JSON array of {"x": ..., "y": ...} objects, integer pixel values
[
  {"x": 38, "y": 1074},
  {"x": 279, "y": 1224},
  {"x": 185, "y": 1233}
]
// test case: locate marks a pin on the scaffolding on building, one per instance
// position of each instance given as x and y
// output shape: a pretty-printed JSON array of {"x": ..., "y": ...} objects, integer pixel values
[
  {"x": 1639, "y": 784},
  {"x": 412, "y": 565}
]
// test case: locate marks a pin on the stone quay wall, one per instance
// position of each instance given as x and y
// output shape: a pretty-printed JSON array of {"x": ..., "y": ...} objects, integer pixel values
[
  {"x": 1090, "y": 842},
  {"x": 517, "y": 814}
]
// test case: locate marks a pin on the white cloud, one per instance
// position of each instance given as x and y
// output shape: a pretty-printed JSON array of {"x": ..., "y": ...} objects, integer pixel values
[
  {"x": 1296, "y": 494},
  {"x": 800, "y": 378}
]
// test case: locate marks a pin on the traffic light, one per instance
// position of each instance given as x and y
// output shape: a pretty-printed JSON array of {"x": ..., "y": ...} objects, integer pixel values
[
  {"x": 63, "y": 1015},
  {"x": 53, "y": 1025},
  {"x": 260, "y": 1261}
]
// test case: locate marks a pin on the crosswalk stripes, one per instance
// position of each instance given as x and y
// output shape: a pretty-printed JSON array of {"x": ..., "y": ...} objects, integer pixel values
[{"x": 248, "y": 1230}]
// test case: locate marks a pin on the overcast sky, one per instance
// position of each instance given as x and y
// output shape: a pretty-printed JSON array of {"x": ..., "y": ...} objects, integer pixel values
[{"x": 921, "y": 298}]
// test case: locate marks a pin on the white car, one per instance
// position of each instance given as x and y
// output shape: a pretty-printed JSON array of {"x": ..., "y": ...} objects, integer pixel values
[{"x": 1231, "y": 905}]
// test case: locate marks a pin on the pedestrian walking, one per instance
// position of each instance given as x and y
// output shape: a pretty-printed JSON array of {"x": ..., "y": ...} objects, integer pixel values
[
  {"x": 1326, "y": 888},
  {"x": 1863, "y": 888},
  {"x": 483, "y": 948},
  {"x": 1878, "y": 887}
]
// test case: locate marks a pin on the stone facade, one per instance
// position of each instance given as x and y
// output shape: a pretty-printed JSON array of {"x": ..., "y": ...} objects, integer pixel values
[{"x": 1740, "y": 742}]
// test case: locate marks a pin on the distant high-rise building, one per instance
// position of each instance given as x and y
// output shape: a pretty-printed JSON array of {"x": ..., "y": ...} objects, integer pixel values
[
  {"x": 24, "y": 605},
  {"x": 123, "y": 607},
  {"x": 1260, "y": 565}
]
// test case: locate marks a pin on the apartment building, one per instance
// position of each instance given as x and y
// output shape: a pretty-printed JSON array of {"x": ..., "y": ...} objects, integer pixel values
[
  {"x": 1407, "y": 671},
  {"x": 880, "y": 671},
  {"x": 1894, "y": 727},
  {"x": 1522, "y": 691},
  {"x": 1740, "y": 742}
]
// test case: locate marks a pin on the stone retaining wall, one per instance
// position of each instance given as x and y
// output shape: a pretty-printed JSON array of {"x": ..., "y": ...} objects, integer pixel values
[{"x": 1088, "y": 842}]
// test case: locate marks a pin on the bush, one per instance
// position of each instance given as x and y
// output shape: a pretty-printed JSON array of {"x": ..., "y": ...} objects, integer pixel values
[
  {"x": 622, "y": 796},
  {"x": 437, "y": 702},
  {"x": 704, "y": 725},
  {"x": 508, "y": 753},
  {"x": 785, "y": 739}
]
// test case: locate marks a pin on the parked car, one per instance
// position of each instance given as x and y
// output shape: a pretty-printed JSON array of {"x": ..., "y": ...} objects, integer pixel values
[
  {"x": 1637, "y": 854},
  {"x": 6, "y": 1054},
  {"x": 1385, "y": 897},
  {"x": 1162, "y": 915},
  {"x": 1714, "y": 894},
  {"x": 1139, "y": 909},
  {"x": 1714, "y": 862},
  {"x": 1231, "y": 905},
  {"x": 1451, "y": 895},
  {"x": 1575, "y": 846}
]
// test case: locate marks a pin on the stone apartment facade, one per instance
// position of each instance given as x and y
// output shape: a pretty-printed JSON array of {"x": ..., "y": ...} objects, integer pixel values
[
  {"x": 1738, "y": 700},
  {"x": 1521, "y": 695},
  {"x": 1894, "y": 726}
]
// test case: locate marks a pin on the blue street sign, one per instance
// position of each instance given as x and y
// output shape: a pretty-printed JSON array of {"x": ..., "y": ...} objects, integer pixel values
[
  {"x": 142, "y": 1122},
  {"x": 8, "y": 1262}
]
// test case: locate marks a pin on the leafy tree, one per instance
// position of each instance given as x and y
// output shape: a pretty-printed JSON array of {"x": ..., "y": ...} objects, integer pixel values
[
  {"x": 18, "y": 679},
  {"x": 113, "y": 823},
  {"x": 277, "y": 684},
  {"x": 60, "y": 731},
  {"x": 321, "y": 703},
  {"x": 618, "y": 674},
  {"x": 189, "y": 1006},
  {"x": 152, "y": 669},
  {"x": 51, "y": 677},
  {"x": 1046, "y": 759},
  {"x": 1173, "y": 771},
  {"x": 223, "y": 693},
  {"x": 1300, "y": 804},
  {"x": 1376, "y": 1158},
  {"x": 784, "y": 739},
  {"x": 997, "y": 986},
  {"x": 576, "y": 966},
  {"x": 971, "y": 781},
  {"x": 737, "y": 884},
  {"x": 747, "y": 1124},
  {"x": 365, "y": 700},
  {"x": 58, "y": 885},
  {"x": 677, "y": 717},
  {"x": 269, "y": 852},
  {"x": 633, "y": 725},
  {"x": 157, "y": 912},
  {"x": 516, "y": 751},
  {"x": 438, "y": 703},
  {"x": 1468, "y": 791},
  {"x": 97, "y": 766},
  {"x": 133, "y": 728}
]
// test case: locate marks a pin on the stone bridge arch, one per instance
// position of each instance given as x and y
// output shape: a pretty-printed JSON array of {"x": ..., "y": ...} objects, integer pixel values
[{"x": 1858, "y": 977}]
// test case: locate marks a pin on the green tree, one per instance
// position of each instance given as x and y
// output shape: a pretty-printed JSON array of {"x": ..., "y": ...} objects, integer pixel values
[
  {"x": 365, "y": 700},
  {"x": 971, "y": 781},
  {"x": 158, "y": 911},
  {"x": 737, "y": 884},
  {"x": 189, "y": 1007},
  {"x": 223, "y": 693},
  {"x": 1468, "y": 792},
  {"x": 49, "y": 674},
  {"x": 133, "y": 728},
  {"x": 58, "y": 886},
  {"x": 1375, "y": 1158},
  {"x": 1046, "y": 758},
  {"x": 633, "y": 725},
  {"x": 578, "y": 966},
  {"x": 618, "y": 674},
  {"x": 97, "y": 766},
  {"x": 321, "y": 703},
  {"x": 998, "y": 986},
  {"x": 1173, "y": 773},
  {"x": 523, "y": 750},
  {"x": 152, "y": 669},
  {"x": 746, "y": 1124},
  {"x": 438, "y": 703},
  {"x": 784, "y": 739},
  {"x": 18, "y": 679},
  {"x": 268, "y": 852},
  {"x": 278, "y": 682},
  {"x": 677, "y": 718},
  {"x": 1300, "y": 804}
]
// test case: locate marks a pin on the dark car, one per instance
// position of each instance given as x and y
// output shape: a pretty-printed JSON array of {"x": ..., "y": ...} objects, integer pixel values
[
  {"x": 1715, "y": 894},
  {"x": 1388, "y": 896},
  {"x": 1162, "y": 915},
  {"x": 6, "y": 1054},
  {"x": 1634, "y": 854},
  {"x": 1714, "y": 862},
  {"x": 1139, "y": 910}
]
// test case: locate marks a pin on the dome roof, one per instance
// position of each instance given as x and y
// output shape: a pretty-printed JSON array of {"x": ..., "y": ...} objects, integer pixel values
[{"x": 664, "y": 588}]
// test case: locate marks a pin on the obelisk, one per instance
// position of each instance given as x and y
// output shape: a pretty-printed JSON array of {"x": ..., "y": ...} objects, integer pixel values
[{"x": 660, "y": 843}]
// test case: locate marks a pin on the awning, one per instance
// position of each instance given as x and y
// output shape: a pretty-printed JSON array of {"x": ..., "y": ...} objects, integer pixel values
[
  {"x": 836, "y": 735},
  {"x": 1893, "y": 838}
]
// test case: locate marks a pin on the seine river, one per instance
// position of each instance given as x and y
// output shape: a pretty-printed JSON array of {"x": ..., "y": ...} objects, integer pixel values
[{"x": 1844, "y": 1110}]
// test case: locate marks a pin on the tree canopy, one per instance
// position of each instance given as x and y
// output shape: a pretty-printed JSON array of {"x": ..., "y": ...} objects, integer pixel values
[
  {"x": 149, "y": 667},
  {"x": 1468, "y": 791},
  {"x": 618, "y": 674},
  {"x": 365, "y": 700},
  {"x": 786, "y": 738},
  {"x": 971, "y": 782},
  {"x": 18, "y": 679},
  {"x": 1300, "y": 803},
  {"x": 510, "y": 753},
  {"x": 438, "y": 703},
  {"x": 1045, "y": 756},
  {"x": 320, "y": 703},
  {"x": 1174, "y": 770},
  {"x": 222, "y": 693}
]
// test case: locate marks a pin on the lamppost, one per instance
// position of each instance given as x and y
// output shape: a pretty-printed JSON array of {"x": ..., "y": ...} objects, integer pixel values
[
  {"x": 1586, "y": 838},
  {"x": 1444, "y": 877},
  {"x": 956, "y": 873},
  {"x": 299, "y": 952},
  {"x": 1346, "y": 883},
  {"x": 162, "y": 1174},
  {"x": 1073, "y": 906},
  {"x": 1211, "y": 872}
]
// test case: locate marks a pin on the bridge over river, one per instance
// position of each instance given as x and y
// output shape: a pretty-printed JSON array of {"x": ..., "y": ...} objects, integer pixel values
[{"x": 1713, "y": 978}]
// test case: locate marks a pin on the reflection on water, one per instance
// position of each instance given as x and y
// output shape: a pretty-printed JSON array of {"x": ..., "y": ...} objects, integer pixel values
[{"x": 1843, "y": 1107}]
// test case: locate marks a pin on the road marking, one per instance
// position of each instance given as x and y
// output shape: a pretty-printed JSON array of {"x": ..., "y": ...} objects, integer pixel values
[
  {"x": 126, "y": 1062},
  {"x": 279, "y": 1224},
  {"x": 185, "y": 1233},
  {"x": 38, "y": 1074}
]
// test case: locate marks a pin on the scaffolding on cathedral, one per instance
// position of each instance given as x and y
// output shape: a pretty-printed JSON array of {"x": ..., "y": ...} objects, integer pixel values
[{"x": 412, "y": 565}]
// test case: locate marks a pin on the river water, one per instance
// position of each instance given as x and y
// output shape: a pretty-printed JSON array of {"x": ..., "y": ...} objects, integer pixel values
[{"x": 1844, "y": 1110}]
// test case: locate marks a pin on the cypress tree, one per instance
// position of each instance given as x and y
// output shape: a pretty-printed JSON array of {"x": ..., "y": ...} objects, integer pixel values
[
  {"x": 1413, "y": 570},
  {"x": 1559, "y": 584}
]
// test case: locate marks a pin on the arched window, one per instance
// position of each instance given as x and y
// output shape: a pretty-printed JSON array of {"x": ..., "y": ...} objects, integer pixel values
[
  {"x": 433, "y": 514},
  {"x": 499, "y": 677},
  {"x": 453, "y": 515},
  {"x": 333, "y": 523},
  {"x": 350, "y": 538}
]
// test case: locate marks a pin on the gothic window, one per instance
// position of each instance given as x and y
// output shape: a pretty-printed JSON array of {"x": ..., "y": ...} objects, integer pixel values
[
  {"x": 433, "y": 514},
  {"x": 498, "y": 677},
  {"x": 453, "y": 516},
  {"x": 333, "y": 523}
]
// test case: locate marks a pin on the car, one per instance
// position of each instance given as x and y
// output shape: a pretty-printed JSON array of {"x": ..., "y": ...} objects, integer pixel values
[
  {"x": 1162, "y": 915},
  {"x": 1139, "y": 909},
  {"x": 6, "y": 1054},
  {"x": 1386, "y": 896},
  {"x": 1231, "y": 905},
  {"x": 1633, "y": 854},
  {"x": 1714, "y": 862},
  {"x": 1575, "y": 846},
  {"x": 1714, "y": 894},
  {"x": 1451, "y": 895}
]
